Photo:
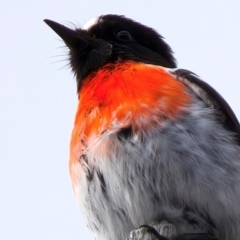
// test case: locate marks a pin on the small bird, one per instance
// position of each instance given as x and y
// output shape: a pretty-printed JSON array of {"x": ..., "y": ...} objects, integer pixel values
[{"x": 155, "y": 151}]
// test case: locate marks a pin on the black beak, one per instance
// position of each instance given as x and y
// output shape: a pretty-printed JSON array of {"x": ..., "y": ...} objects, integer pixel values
[
  {"x": 86, "y": 54},
  {"x": 71, "y": 37}
]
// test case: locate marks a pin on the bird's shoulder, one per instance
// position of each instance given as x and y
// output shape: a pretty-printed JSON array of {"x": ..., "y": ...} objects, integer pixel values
[{"x": 210, "y": 97}]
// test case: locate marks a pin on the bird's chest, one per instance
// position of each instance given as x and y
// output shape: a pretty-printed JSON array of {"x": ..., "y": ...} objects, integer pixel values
[
  {"x": 130, "y": 98},
  {"x": 126, "y": 179},
  {"x": 115, "y": 183},
  {"x": 112, "y": 166},
  {"x": 113, "y": 149},
  {"x": 118, "y": 170}
]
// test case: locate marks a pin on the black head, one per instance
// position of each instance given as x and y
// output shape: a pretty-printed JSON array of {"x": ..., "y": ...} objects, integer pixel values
[{"x": 111, "y": 38}]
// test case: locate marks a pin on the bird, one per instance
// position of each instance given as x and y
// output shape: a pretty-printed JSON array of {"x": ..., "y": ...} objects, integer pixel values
[{"x": 155, "y": 150}]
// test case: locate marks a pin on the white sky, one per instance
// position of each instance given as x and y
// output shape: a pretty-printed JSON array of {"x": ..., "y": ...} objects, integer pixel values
[{"x": 38, "y": 99}]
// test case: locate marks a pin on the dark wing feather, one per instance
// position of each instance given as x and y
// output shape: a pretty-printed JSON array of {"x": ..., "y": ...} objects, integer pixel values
[
  {"x": 211, "y": 97},
  {"x": 185, "y": 236},
  {"x": 194, "y": 236}
]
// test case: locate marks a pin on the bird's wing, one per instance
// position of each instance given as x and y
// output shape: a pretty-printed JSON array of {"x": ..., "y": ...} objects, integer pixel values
[
  {"x": 194, "y": 236},
  {"x": 185, "y": 236},
  {"x": 211, "y": 97}
]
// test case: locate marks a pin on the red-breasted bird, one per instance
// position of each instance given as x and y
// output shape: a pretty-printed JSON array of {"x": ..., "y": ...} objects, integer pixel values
[{"x": 152, "y": 145}]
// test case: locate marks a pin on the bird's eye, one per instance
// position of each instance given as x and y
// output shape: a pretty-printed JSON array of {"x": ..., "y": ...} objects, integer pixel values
[{"x": 124, "y": 35}]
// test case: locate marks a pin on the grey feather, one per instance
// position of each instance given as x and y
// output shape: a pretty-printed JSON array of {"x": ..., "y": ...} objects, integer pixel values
[{"x": 186, "y": 172}]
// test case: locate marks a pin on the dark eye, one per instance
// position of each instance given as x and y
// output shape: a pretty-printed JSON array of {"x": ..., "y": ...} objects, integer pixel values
[{"x": 124, "y": 35}]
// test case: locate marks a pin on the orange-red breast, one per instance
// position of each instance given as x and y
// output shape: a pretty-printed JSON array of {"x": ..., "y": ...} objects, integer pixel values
[{"x": 151, "y": 144}]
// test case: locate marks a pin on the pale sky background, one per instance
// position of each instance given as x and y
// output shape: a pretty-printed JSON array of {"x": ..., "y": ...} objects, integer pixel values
[{"x": 38, "y": 98}]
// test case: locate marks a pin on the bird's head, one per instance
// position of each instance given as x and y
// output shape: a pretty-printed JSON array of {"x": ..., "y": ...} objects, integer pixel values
[{"x": 111, "y": 38}]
